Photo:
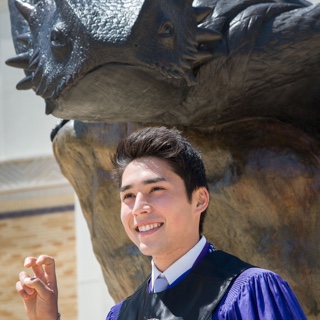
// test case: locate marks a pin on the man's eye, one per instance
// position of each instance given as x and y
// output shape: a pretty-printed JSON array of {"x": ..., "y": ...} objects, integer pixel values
[
  {"x": 156, "y": 188},
  {"x": 127, "y": 196}
]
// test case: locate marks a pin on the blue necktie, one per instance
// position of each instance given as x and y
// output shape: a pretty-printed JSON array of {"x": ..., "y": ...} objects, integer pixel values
[{"x": 160, "y": 284}]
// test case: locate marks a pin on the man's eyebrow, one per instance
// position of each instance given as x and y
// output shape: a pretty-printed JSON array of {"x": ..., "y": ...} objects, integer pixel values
[{"x": 146, "y": 182}]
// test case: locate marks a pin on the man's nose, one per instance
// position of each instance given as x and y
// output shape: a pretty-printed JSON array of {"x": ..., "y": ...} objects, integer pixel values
[{"x": 141, "y": 205}]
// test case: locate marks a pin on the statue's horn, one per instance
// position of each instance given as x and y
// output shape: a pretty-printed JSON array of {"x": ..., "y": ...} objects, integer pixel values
[
  {"x": 202, "y": 13},
  {"x": 24, "y": 8},
  {"x": 23, "y": 38},
  {"x": 19, "y": 61},
  {"x": 25, "y": 83}
]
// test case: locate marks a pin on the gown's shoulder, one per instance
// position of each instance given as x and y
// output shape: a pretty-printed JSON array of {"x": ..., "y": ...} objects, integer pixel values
[
  {"x": 259, "y": 294},
  {"x": 114, "y": 312}
]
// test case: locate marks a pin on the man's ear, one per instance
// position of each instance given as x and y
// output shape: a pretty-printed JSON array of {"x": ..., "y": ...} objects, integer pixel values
[{"x": 202, "y": 199}]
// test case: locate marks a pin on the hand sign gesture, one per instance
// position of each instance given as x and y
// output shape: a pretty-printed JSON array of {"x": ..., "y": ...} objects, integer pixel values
[{"x": 39, "y": 293}]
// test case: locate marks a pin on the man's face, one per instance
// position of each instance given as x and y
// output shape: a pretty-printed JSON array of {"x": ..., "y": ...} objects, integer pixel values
[{"x": 155, "y": 210}]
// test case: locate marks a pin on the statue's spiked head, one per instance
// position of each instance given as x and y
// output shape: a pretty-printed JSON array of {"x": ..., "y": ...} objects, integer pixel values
[
  {"x": 52, "y": 46},
  {"x": 65, "y": 42}
]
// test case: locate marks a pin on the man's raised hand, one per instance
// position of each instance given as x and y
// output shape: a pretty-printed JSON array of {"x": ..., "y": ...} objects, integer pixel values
[{"x": 39, "y": 292}]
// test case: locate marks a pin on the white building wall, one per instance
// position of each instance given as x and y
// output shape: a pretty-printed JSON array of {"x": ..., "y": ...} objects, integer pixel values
[
  {"x": 24, "y": 134},
  {"x": 24, "y": 127},
  {"x": 94, "y": 300}
]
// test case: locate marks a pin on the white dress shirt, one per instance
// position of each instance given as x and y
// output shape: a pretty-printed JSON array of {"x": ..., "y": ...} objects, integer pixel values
[{"x": 179, "y": 267}]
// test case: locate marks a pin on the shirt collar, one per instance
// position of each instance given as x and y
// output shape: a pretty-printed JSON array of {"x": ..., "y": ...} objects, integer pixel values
[{"x": 179, "y": 267}]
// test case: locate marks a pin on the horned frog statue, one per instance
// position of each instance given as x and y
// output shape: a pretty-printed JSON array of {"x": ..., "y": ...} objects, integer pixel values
[{"x": 240, "y": 78}]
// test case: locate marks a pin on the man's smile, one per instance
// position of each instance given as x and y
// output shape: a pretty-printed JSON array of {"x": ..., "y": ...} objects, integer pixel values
[{"x": 148, "y": 227}]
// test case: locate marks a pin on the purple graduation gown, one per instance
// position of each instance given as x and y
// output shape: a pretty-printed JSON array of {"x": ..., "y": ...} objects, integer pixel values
[
  {"x": 255, "y": 294},
  {"x": 259, "y": 294}
]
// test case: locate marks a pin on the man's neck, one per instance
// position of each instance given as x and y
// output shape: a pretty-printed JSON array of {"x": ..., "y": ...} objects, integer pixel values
[
  {"x": 180, "y": 266},
  {"x": 163, "y": 262}
]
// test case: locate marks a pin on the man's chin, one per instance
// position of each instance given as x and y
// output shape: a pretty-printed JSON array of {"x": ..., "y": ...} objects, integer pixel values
[{"x": 146, "y": 249}]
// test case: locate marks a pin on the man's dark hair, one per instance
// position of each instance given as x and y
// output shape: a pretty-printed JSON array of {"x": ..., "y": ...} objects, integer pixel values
[{"x": 168, "y": 145}]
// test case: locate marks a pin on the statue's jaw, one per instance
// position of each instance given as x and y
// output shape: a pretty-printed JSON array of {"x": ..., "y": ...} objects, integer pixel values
[{"x": 117, "y": 93}]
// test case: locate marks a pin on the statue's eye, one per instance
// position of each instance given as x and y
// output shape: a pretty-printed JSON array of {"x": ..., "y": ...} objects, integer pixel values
[
  {"x": 57, "y": 38},
  {"x": 60, "y": 44},
  {"x": 166, "y": 29}
]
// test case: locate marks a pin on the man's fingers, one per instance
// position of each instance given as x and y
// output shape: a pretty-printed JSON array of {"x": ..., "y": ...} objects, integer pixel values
[
  {"x": 23, "y": 289},
  {"x": 43, "y": 268},
  {"x": 48, "y": 266},
  {"x": 24, "y": 295},
  {"x": 37, "y": 285},
  {"x": 31, "y": 262},
  {"x": 41, "y": 260},
  {"x": 47, "y": 262}
]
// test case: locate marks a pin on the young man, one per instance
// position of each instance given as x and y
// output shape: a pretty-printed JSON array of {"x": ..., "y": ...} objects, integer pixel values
[{"x": 164, "y": 197}]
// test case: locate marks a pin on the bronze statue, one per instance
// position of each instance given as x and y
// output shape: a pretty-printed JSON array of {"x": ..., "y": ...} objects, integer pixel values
[{"x": 240, "y": 78}]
